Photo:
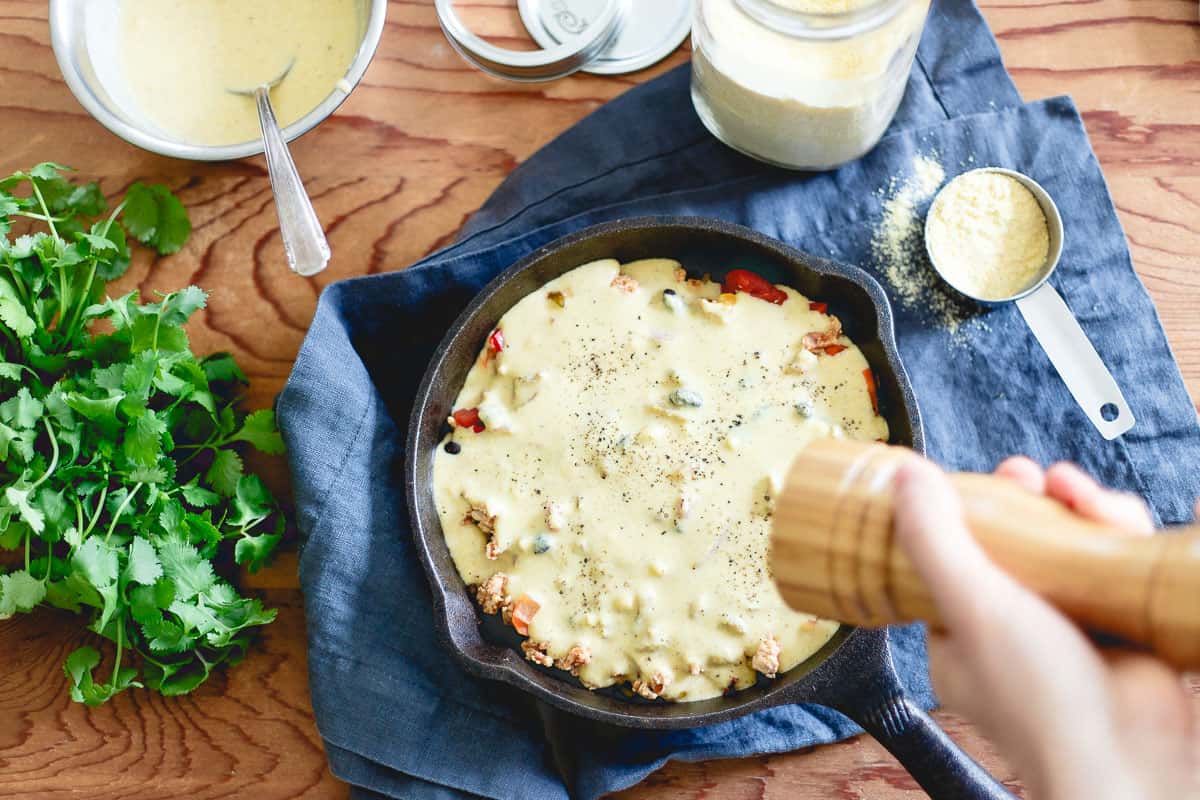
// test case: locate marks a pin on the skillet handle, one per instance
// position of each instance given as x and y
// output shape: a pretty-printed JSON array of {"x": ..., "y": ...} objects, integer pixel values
[{"x": 930, "y": 756}]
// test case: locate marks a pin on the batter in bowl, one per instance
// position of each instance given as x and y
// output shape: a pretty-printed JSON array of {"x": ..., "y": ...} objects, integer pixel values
[{"x": 609, "y": 479}]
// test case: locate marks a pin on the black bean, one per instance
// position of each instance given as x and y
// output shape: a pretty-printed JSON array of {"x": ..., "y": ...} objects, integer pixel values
[{"x": 453, "y": 448}]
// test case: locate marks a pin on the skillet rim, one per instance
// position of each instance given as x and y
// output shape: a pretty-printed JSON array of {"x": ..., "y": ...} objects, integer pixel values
[{"x": 455, "y": 611}]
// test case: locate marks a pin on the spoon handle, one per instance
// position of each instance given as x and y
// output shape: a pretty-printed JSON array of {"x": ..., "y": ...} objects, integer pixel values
[{"x": 304, "y": 240}]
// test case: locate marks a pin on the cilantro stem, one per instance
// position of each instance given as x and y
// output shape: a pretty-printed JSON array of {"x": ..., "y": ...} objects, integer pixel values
[
  {"x": 53, "y": 458},
  {"x": 157, "y": 322},
  {"x": 45, "y": 208},
  {"x": 96, "y": 516},
  {"x": 28, "y": 534},
  {"x": 77, "y": 311},
  {"x": 40, "y": 217},
  {"x": 112, "y": 526},
  {"x": 120, "y": 644}
]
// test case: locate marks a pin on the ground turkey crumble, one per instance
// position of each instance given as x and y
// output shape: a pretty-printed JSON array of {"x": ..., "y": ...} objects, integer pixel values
[
  {"x": 819, "y": 340},
  {"x": 493, "y": 593},
  {"x": 625, "y": 283},
  {"x": 766, "y": 658},
  {"x": 652, "y": 689},
  {"x": 576, "y": 657},
  {"x": 536, "y": 652}
]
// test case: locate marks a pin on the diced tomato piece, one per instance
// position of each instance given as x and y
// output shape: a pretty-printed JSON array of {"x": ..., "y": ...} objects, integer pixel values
[
  {"x": 871, "y": 390},
  {"x": 753, "y": 284},
  {"x": 819, "y": 307},
  {"x": 495, "y": 341},
  {"x": 523, "y": 612},
  {"x": 469, "y": 418},
  {"x": 834, "y": 349}
]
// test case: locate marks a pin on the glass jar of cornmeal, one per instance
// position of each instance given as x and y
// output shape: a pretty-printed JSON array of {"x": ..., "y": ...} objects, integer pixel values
[{"x": 804, "y": 84}]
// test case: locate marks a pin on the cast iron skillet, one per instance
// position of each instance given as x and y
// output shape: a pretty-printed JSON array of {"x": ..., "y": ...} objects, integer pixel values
[{"x": 853, "y": 673}]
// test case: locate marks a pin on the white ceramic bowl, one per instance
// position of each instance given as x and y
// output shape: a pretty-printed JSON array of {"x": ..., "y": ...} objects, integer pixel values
[{"x": 84, "y": 36}]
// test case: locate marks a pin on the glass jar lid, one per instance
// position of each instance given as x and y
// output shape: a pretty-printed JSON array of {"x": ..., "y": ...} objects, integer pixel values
[{"x": 599, "y": 36}]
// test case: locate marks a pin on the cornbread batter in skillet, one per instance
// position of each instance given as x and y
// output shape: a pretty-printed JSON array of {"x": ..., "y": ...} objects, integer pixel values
[{"x": 610, "y": 476}]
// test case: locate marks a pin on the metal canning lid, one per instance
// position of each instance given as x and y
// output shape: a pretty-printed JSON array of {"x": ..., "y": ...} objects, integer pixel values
[
  {"x": 651, "y": 31},
  {"x": 597, "y": 31}
]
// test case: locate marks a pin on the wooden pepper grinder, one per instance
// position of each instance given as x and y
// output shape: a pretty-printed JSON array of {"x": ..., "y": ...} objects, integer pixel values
[{"x": 833, "y": 553}]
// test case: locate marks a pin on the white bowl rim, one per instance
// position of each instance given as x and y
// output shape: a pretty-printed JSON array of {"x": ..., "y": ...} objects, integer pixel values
[{"x": 198, "y": 152}]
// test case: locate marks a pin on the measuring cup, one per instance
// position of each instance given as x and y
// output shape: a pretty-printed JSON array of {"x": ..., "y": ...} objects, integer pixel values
[{"x": 1055, "y": 327}]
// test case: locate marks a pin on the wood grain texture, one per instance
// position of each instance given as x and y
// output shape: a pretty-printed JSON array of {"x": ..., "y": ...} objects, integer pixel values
[{"x": 418, "y": 146}]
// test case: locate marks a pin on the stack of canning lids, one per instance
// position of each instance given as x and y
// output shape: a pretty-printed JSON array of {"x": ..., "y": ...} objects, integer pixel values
[{"x": 604, "y": 37}]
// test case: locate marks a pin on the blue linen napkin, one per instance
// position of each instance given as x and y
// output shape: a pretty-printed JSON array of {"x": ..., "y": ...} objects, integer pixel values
[{"x": 398, "y": 716}]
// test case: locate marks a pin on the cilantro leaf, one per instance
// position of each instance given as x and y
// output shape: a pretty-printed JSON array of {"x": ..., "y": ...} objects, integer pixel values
[
  {"x": 48, "y": 170},
  {"x": 22, "y": 410},
  {"x": 252, "y": 502},
  {"x": 197, "y": 495},
  {"x": 84, "y": 689},
  {"x": 253, "y": 552},
  {"x": 7, "y": 436},
  {"x": 20, "y": 500},
  {"x": 259, "y": 430},
  {"x": 98, "y": 564},
  {"x": 221, "y": 367},
  {"x": 187, "y": 569},
  {"x": 144, "y": 566},
  {"x": 121, "y": 484},
  {"x": 225, "y": 472},
  {"x": 179, "y": 306},
  {"x": 143, "y": 439},
  {"x": 156, "y": 218},
  {"x": 19, "y": 591},
  {"x": 87, "y": 200},
  {"x": 13, "y": 312}
]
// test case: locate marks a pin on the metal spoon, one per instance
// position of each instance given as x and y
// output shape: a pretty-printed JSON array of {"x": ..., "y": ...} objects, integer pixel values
[
  {"x": 304, "y": 240},
  {"x": 1055, "y": 327}
]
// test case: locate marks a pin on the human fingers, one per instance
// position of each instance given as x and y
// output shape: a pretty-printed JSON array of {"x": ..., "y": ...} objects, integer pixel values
[
  {"x": 929, "y": 526},
  {"x": 1025, "y": 472},
  {"x": 1004, "y": 657},
  {"x": 1075, "y": 489},
  {"x": 1156, "y": 724},
  {"x": 1151, "y": 696}
]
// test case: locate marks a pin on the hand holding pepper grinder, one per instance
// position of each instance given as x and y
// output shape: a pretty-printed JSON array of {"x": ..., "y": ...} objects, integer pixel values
[{"x": 874, "y": 535}]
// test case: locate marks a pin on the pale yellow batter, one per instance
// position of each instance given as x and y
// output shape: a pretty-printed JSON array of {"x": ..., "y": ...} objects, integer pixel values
[
  {"x": 613, "y": 498},
  {"x": 180, "y": 56}
]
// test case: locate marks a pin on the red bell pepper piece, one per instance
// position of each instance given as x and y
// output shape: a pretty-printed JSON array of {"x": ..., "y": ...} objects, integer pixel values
[
  {"x": 871, "y": 390},
  {"x": 753, "y": 284},
  {"x": 469, "y": 418}
]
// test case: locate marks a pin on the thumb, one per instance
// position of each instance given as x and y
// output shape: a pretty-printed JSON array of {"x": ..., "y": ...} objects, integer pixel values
[
  {"x": 1008, "y": 659},
  {"x": 930, "y": 527}
]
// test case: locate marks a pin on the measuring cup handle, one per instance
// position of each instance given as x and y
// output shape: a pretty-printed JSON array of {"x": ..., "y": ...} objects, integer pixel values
[{"x": 1077, "y": 362}]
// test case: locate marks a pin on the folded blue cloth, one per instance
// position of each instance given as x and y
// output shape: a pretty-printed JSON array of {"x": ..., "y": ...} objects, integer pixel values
[{"x": 398, "y": 716}]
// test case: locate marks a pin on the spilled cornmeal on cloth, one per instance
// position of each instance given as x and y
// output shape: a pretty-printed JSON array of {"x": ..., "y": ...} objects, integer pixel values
[{"x": 615, "y": 452}]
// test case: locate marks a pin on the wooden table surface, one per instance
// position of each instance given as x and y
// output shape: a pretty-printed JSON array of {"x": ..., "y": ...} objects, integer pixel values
[{"x": 421, "y": 144}]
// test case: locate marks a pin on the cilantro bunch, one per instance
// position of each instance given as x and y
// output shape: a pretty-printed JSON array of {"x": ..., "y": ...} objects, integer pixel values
[{"x": 121, "y": 487}]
